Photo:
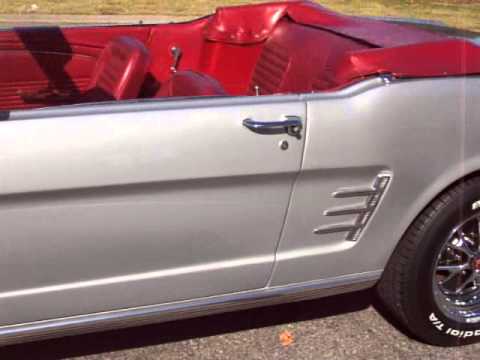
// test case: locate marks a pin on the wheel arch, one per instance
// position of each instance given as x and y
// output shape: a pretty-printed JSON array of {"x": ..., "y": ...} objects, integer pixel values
[{"x": 451, "y": 178}]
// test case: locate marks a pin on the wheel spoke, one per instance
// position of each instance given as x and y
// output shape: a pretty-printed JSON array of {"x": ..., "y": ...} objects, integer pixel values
[
  {"x": 453, "y": 270},
  {"x": 462, "y": 246},
  {"x": 467, "y": 281},
  {"x": 470, "y": 242},
  {"x": 463, "y": 249}
]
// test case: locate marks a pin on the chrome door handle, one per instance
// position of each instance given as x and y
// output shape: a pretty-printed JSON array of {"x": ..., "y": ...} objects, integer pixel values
[{"x": 292, "y": 125}]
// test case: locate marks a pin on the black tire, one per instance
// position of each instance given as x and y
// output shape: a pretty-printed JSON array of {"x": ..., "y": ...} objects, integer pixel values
[{"x": 406, "y": 287}]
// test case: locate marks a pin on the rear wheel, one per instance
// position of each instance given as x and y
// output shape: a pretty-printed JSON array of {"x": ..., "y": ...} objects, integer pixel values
[{"x": 432, "y": 282}]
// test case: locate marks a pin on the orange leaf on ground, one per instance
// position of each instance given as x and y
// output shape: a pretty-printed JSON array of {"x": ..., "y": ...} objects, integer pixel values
[{"x": 286, "y": 338}]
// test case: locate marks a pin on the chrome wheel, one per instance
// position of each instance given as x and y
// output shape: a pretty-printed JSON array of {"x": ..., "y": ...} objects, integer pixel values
[{"x": 456, "y": 281}]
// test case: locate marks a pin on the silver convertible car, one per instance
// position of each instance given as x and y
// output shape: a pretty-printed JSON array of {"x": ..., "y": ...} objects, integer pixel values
[{"x": 263, "y": 154}]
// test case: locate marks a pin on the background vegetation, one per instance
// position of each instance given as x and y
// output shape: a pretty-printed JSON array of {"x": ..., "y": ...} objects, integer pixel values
[{"x": 459, "y": 13}]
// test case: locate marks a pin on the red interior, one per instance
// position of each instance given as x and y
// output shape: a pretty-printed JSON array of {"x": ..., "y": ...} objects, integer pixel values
[{"x": 286, "y": 47}]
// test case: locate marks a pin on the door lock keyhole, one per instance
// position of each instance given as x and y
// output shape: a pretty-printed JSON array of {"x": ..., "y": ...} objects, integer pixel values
[{"x": 284, "y": 145}]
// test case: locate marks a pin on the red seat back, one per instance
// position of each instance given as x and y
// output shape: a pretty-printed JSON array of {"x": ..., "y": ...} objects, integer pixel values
[
  {"x": 120, "y": 71},
  {"x": 299, "y": 59}
]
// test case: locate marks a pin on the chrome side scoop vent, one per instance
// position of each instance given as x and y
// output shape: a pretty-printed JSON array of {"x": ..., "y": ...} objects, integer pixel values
[{"x": 363, "y": 211}]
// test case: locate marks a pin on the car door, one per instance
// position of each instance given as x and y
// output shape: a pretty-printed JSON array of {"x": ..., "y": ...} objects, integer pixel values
[{"x": 118, "y": 206}]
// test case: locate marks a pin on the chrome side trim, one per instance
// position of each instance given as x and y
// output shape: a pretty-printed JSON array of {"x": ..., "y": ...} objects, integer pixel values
[
  {"x": 364, "y": 211},
  {"x": 354, "y": 192},
  {"x": 334, "y": 228},
  {"x": 187, "y": 309},
  {"x": 347, "y": 210},
  {"x": 381, "y": 184}
]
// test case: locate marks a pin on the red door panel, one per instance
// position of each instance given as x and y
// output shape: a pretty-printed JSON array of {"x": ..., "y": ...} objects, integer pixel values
[
  {"x": 24, "y": 73},
  {"x": 47, "y": 66}
]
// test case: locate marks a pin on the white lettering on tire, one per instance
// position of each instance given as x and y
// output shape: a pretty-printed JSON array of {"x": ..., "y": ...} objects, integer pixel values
[{"x": 461, "y": 334}]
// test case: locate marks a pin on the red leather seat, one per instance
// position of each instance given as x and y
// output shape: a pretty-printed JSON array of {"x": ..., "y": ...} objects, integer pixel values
[
  {"x": 298, "y": 58},
  {"x": 191, "y": 83},
  {"x": 120, "y": 71}
]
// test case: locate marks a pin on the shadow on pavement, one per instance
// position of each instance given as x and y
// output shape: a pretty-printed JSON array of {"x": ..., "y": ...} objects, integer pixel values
[{"x": 119, "y": 340}]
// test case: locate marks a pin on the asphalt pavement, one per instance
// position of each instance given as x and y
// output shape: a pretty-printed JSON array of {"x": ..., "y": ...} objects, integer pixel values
[{"x": 352, "y": 326}]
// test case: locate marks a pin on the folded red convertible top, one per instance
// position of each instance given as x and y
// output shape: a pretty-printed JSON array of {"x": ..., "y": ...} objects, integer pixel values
[{"x": 400, "y": 50}]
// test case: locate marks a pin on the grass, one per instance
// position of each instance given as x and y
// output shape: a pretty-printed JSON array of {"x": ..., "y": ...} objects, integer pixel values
[{"x": 458, "y": 13}]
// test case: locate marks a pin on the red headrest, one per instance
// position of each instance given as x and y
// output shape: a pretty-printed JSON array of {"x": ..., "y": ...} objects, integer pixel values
[{"x": 121, "y": 69}]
